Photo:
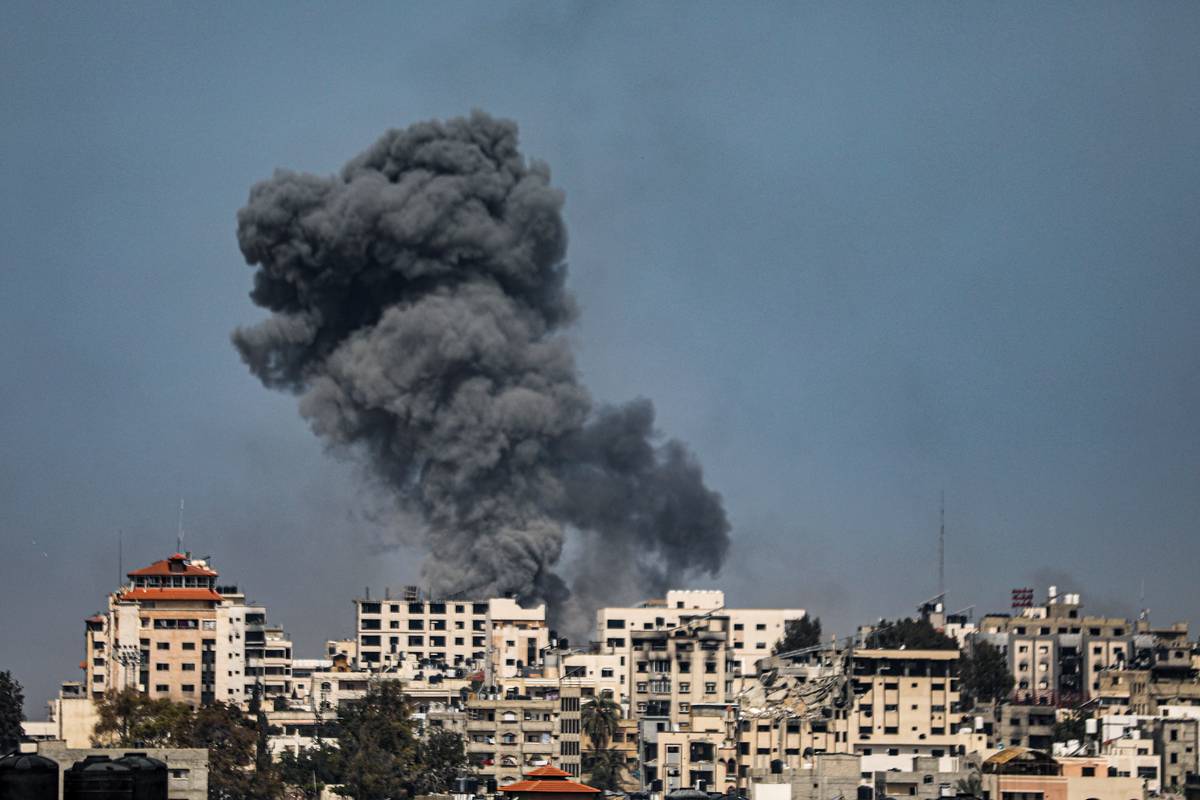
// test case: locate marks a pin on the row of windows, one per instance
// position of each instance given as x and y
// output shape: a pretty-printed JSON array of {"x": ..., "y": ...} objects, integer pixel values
[{"x": 422, "y": 608}]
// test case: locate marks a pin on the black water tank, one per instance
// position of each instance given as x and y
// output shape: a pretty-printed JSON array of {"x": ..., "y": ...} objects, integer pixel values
[
  {"x": 149, "y": 776},
  {"x": 28, "y": 776},
  {"x": 98, "y": 778},
  {"x": 490, "y": 787},
  {"x": 466, "y": 785},
  {"x": 776, "y": 766}
]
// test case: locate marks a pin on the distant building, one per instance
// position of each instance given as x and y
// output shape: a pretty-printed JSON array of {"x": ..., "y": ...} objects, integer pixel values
[
  {"x": 751, "y": 633},
  {"x": 411, "y": 634},
  {"x": 172, "y": 632}
]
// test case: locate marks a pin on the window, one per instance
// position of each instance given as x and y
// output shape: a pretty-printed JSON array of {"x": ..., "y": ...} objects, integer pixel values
[
  {"x": 615, "y": 624},
  {"x": 189, "y": 667},
  {"x": 160, "y": 667},
  {"x": 685, "y": 687},
  {"x": 188, "y": 688},
  {"x": 737, "y": 626},
  {"x": 161, "y": 687},
  {"x": 162, "y": 645},
  {"x": 760, "y": 627},
  {"x": 710, "y": 688},
  {"x": 189, "y": 645},
  {"x": 606, "y": 672}
]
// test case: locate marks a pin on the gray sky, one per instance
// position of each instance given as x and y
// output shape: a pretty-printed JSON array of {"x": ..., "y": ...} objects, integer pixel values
[{"x": 856, "y": 254}]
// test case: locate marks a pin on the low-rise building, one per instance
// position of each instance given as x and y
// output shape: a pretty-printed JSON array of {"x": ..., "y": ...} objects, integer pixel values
[{"x": 187, "y": 768}]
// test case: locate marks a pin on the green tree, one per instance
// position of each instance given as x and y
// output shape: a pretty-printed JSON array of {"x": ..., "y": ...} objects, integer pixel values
[
  {"x": 605, "y": 769},
  {"x": 984, "y": 675},
  {"x": 441, "y": 757},
  {"x": 12, "y": 712},
  {"x": 312, "y": 768},
  {"x": 600, "y": 718},
  {"x": 799, "y": 633},
  {"x": 1072, "y": 726},
  {"x": 230, "y": 738},
  {"x": 378, "y": 743},
  {"x": 128, "y": 718},
  {"x": 911, "y": 634},
  {"x": 970, "y": 786}
]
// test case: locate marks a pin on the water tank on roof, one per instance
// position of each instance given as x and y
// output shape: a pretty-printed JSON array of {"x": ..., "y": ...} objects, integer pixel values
[
  {"x": 149, "y": 776},
  {"x": 28, "y": 776},
  {"x": 98, "y": 778},
  {"x": 490, "y": 786},
  {"x": 466, "y": 785}
]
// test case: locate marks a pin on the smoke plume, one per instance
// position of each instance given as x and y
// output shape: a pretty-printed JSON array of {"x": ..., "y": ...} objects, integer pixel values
[{"x": 417, "y": 302}]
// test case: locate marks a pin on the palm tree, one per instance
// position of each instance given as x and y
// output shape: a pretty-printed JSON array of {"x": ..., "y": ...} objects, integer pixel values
[{"x": 601, "y": 719}]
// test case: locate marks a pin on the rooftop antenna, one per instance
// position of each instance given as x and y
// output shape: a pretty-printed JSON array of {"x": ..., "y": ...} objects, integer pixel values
[
  {"x": 179, "y": 534},
  {"x": 942, "y": 550}
]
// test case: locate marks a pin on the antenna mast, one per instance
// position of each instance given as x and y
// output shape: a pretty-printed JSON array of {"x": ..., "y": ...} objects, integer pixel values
[
  {"x": 942, "y": 550},
  {"x": 179, "y": 534}
]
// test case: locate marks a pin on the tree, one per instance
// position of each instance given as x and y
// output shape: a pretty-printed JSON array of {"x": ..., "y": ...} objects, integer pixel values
[
  {"x": 911, "y": 634},
  {"x": 378, "y": 744},
  {"x": 441, "y": 757},
  {"x": 984, "y": 675},
  {"x": 601, "y": 719},
  {"x": 1072, "y": 726},
  {"x": 970, "y": 786},
  {"x": 12, "y": 712},
  {"x": 312, "y": 768},
  {"x": 798, "y": 634},
  {"x": 606, "y": 769},
  {"x": 229, "y": 738},
  {"x": 129, "y": 718}
]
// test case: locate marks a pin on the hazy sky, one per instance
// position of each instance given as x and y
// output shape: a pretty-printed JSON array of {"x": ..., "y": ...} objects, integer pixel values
[{"x": 857, "y": 254}]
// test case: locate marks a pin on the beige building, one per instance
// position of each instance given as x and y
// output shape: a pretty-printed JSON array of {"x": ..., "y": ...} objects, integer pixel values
[
  {"x": 512, "y": 733},
  {"x": 1056, "y": 654},
  {"x": 414, "y": 634},
  {"x": 173, "y": 632},
  {"x": 751, "y": 634}
]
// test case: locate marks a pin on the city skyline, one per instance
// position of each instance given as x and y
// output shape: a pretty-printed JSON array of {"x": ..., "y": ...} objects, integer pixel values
[{"x": 857, "y": 257}]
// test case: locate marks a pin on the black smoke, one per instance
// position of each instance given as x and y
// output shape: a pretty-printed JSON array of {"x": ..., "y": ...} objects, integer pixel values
[{"x": 417, "y": 301}]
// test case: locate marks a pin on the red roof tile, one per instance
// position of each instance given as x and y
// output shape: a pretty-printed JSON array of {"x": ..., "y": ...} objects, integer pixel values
[
  {"x": 548, "y": 780},
  {"x": 164, "y": 568},
  {"x": 172, "y": 594},
  {"x": 548, "y": 787}
]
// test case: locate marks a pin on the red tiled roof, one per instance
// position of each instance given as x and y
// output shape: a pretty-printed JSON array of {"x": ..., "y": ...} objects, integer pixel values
[
  {"x": 164, "y": 568},
  {"x": 548, "y": 780},
  {"x": 548, "y": 787},
  {"x": 172, "y": 594}
]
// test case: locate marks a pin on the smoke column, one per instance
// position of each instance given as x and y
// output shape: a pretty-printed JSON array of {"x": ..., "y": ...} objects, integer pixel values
[{"x": 417, "y": 301}]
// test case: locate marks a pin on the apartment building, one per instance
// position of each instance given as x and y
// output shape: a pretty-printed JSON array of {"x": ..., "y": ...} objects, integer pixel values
[
  {"x": 702, "y": 752},
  {"x": 752, "y": 632},
  {"x": 874, "y": 703},
  {"x": 173, "y": 632},
  {"x": 1025, "y": 726},
  {"x": 511, "y": 733},
  {"x": 412, "y": 633},
  {"x": 1055, "y": 653}
]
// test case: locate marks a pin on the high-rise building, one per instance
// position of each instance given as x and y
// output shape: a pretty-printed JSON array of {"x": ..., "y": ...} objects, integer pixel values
[{"x": 173, "y": 632}]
